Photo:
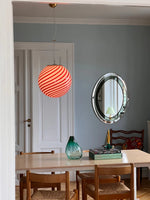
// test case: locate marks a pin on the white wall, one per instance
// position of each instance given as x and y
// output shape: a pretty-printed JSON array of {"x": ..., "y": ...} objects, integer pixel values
[{"x": 7, "y": 142}]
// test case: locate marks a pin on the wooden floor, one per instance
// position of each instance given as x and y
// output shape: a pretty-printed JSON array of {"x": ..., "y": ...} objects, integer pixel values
[{"x": 142, "y": 194}]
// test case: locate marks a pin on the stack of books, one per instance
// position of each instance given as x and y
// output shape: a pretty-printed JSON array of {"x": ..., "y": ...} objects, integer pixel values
[{"x": 102, "y": 154}]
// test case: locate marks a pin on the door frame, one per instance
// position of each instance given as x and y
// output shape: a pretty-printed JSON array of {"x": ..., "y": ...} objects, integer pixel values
[{"x": 45, "y": 46}]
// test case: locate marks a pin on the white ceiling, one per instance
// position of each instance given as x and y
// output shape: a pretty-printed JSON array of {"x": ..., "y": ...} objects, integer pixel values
[{"x": 67, "y": 11}]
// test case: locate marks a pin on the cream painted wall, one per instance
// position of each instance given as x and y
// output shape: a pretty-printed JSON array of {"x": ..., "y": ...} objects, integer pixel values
[
  {"x": 7, "y": 122},
  {"x": 7, "y": 131}
]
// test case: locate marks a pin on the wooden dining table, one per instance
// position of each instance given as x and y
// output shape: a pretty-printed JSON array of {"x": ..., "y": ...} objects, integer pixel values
[{"x": 59, "y": 162}]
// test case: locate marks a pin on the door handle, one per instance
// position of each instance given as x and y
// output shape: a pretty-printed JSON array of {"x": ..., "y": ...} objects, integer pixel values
[{"x": 28, "y": 120}]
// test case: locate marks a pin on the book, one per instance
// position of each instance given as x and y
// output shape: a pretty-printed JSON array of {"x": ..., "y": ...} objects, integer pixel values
[{"x": 103, "y": 154}]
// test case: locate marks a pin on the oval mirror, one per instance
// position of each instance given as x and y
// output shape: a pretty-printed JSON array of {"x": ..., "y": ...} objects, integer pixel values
[{"x": 109, "y": 98}]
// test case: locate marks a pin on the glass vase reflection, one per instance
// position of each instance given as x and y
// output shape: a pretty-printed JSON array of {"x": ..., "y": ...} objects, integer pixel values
[{"x": 73, "y": 150}]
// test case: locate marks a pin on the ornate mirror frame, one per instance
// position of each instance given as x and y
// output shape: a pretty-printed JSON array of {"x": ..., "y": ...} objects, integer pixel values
[{"x": 96, "y": 101}]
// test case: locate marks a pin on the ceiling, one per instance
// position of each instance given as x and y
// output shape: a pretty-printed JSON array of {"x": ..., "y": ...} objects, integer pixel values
[{"x": 79, "y": 11}]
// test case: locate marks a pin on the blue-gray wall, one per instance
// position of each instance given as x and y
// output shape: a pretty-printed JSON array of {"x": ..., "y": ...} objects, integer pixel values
[{"x": 124, "y": 50}]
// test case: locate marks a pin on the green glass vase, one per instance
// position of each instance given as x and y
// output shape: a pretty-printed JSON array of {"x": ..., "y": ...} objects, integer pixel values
[{"x": 73, "y": 150}]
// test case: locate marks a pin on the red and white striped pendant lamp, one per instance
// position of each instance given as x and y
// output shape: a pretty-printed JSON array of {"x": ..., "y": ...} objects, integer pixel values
[{"x": 54, "y": 80}]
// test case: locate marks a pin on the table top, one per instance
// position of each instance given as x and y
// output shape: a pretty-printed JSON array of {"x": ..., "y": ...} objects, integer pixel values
[{"x": 60, "y": 162}]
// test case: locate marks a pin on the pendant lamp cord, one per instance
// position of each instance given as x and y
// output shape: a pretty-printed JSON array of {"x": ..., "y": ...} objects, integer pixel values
[{"x": 54, "y": 34}]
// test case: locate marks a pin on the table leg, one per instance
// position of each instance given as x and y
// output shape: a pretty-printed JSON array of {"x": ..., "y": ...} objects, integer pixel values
[
  {"x": 138, "y": 178},
  {"x": 135, "y": 193}
]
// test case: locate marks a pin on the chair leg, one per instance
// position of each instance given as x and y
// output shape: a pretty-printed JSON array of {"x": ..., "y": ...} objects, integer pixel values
[
  {"x": 58, "y": 186},
  {"x": 21, "y": 191},
  {"x": 76, "y": 194},
  {"x": 84, "y": 195},
  {"x": 138, "y": 178},
  {"x": 78, "y": 187}
]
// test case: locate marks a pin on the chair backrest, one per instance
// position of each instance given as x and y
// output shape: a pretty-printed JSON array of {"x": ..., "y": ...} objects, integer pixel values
[
  {"x": 111, "y": 170},
  {"x": 48, "y": 178},
  {"x": 58, "y": 186},
  {"x": 22, "y": 153},
  {"x": 122, "y": 139}
]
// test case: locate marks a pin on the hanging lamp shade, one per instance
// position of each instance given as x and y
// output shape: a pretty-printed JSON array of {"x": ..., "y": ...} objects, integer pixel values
[{"x": 54, "y": 80}]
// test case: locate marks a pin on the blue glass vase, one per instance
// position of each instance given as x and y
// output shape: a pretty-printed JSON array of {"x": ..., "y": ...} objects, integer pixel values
[{"x": 73, "y": 150}]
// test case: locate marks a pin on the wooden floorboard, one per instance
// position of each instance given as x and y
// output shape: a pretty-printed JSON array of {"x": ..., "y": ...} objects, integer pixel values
[{"x": 142, "y": 194}]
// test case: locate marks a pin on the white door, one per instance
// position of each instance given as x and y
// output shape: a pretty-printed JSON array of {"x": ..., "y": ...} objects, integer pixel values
[
  {"x": 52, "y": 118},
  {"x": 22, "y": 100}
]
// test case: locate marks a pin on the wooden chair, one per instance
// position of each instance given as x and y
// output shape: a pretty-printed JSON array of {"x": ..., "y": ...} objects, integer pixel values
[
  {"x": 83, "y": 176},
  {"x": 49, "y": 194},
  {"x": 23, "y": 180},
  {"x": 132, "y": 139},
  {"x": 119, "y": 138},
  {"x": 102, "y": 191}
]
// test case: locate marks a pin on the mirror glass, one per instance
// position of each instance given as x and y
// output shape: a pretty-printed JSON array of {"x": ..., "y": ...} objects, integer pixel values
[{"x": 109, "y": 98}]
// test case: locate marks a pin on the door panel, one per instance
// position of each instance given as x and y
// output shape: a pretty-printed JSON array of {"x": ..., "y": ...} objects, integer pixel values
[
  {"x": 52, "y": 124},
  {"x": 51, "y": 120}
]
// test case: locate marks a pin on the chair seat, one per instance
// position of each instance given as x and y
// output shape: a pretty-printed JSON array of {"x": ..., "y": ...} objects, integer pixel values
[
  {"x": 110, "y": 188},
  {"x": 47, "y": 195}
]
